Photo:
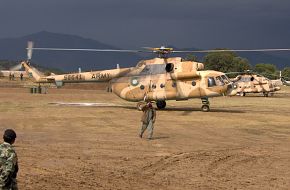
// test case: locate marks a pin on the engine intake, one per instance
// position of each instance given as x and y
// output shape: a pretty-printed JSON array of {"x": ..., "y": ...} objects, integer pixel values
[{"x": 169, "y": 67}]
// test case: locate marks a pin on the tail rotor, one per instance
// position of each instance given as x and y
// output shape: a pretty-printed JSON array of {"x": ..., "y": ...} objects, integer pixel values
[{"x": 29, "y": 50}]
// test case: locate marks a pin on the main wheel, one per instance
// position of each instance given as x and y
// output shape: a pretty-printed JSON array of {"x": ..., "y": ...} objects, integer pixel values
[
  {"x": 205, "y": 108},
  {"x": 161, "y": 104}
]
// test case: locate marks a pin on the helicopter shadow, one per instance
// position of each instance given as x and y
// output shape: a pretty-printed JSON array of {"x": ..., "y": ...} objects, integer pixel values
[{"x": 187, "y": 110}]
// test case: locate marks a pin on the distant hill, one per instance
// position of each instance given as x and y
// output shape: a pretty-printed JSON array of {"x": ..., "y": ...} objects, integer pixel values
[{"x": 14, "y": 49}]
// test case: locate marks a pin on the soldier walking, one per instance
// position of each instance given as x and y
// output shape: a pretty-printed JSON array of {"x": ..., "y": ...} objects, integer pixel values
[
  {"x": 21, "y": 76},
  {"x": 8, "y": 162},
  {"x": 148, "y": 120}
]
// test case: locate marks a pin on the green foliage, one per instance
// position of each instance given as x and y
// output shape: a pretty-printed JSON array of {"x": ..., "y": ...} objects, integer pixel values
[
  {"x": 226, "y": 62},
  {"x": 6, "y": 64},
  {"x": 286, "y": 73},
  {"x": 267, "y": 70},
  {"x": 191, "y": 57}
]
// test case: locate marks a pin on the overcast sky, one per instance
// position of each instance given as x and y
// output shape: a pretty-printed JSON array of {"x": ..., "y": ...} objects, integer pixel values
[{"x": 137, "y": 23}]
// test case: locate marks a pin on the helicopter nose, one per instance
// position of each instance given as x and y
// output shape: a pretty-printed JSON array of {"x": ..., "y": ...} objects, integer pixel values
[{"x": 231, "y": 90}]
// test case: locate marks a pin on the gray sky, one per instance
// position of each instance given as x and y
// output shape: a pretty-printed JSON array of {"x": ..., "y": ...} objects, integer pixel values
[{"x": 138, "y": 23}]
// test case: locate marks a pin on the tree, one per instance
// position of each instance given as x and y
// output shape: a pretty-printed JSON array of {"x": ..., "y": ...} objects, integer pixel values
[
  {"x": 286, "y": 73},
  {"x": 191, "y": 57},
  {"x": 240, "y": 64},
  {"x": 267, "y": 69},
  {"x": 226, "y": 62}
]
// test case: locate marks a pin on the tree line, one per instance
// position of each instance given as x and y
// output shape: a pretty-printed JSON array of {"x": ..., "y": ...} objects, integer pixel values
[{"x": 229, "y": 62}]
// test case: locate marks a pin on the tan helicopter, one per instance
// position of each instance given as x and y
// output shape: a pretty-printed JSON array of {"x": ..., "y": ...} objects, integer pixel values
[
  {"x": 159, "y": 79},
  {"x": 250, "y": 82}
]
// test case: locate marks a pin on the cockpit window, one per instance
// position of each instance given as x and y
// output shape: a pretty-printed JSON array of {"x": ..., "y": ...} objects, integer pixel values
[
  {"x": 225, "y": 79},
  {"x": 211, "y": 82},
  {"x": 219, "y": 81}
]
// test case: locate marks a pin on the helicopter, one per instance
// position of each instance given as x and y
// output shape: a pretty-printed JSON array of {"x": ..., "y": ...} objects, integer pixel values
[
  {"x": 251, "y": 82},
  {"x": 159, "y": 79}
]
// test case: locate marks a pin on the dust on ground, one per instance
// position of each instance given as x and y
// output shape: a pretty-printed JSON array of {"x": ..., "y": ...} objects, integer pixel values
[{"x": 243, "y": 143}]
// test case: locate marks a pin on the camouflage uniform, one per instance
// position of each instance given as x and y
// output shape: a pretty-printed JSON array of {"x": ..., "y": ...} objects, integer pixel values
[
  {"x": 148, "y": 120},
  {"x": 8, "y": 167}
]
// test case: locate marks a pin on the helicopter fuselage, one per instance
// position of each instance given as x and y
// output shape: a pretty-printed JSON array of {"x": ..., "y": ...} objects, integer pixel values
[{"x": 157, "y": 79}]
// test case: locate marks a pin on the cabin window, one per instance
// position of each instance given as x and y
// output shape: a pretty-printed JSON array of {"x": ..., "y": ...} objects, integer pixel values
[
  {"x": 162, "y": 85},
  {"x": 245, "y": 79},
  {"x": 193, "y": 83},
  {"x": 153, "y": 86},
  {"x": 153, "y": 69},
  {"x": 211, "y": 82},
  {"x": 142, "y": 87}
]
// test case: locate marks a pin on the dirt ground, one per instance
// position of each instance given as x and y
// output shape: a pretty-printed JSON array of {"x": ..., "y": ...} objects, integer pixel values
[{"x": 243, "y": 143}]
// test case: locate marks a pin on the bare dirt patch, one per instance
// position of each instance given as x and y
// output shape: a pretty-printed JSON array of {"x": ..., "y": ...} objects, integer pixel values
[{"x": 242, "y": 144}]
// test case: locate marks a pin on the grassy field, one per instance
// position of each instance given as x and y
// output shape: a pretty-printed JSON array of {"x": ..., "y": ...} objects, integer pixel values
[{"x": 243, "y": 143}]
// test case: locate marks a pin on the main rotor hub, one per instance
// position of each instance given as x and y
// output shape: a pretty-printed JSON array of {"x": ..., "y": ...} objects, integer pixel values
[{"x": 162, "y": 52}]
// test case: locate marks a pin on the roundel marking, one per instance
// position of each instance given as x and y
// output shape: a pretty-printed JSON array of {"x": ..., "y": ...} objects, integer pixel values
[{"x": 134, "y": 81}]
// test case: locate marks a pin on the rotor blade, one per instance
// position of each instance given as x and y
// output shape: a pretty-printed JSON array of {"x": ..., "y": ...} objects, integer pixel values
[
  {"x": 29, "y": 50},
  {"x": 92, "y": 50},
  {"x": 242, "y": 72},
  {"x": 153, "y": 50},
  {"x": 226, "y": 50},
  {"x": 229, "y": 73}
]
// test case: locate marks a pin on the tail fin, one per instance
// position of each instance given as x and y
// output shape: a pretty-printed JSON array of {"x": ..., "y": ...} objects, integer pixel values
[{"x": 31, "y": 71}]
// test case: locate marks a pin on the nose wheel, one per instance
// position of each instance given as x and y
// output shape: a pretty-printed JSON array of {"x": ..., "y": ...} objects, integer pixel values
[
  {"x": 205, "y": 105},
  {"x": 161, "y": 104}
]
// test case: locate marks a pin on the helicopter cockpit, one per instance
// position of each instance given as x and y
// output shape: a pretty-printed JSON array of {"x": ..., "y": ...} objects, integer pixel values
[{"x": 218, "y": 81}]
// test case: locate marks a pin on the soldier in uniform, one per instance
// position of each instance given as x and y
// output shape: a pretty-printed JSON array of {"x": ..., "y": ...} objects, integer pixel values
[
  {"x": 21, "y": 76},
  {"x": 8, "y": 162},
  {"x": 148, "y": 120}
]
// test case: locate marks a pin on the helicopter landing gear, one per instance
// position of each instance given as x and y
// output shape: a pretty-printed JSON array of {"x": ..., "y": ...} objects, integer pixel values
[
  {"x": 161, "y": 104},
  {"x": 265, "y": 94},
  {"x": 205, "y": 106}
]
